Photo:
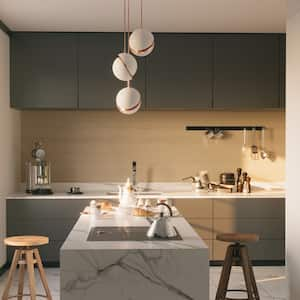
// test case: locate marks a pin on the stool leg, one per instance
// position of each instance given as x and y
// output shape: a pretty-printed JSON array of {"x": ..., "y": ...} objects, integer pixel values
[
  {"x": 21, "y": 278},
  {"x": 251, "y": 273},
  {"x": 42, "y": 273},
  {"x": 11, "y": 274},
  {"x": 225, "y": 275},
  {"x": 246, "y": 271},
  {"x": 30, "y": 270}
]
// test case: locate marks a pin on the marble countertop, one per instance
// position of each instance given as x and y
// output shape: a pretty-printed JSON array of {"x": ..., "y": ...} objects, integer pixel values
[
  {"x": 176, "y": 190},
  {"x": 77, "y": 239}
]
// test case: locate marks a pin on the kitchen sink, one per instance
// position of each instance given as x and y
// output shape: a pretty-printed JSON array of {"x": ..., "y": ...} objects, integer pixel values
[
  {"x": 146, "y": 193},
  {"x": 132, "y": 233}
]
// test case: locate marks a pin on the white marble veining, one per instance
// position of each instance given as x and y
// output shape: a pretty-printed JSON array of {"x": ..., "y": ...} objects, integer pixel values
[
  {"x": 134, "y": 270},
  {"x": 170, "y": 190}
]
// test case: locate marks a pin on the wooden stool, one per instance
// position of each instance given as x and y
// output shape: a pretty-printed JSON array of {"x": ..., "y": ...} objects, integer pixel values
[
  {"x": 26, "y": 254},
  {"x": 237, "y": 254}
]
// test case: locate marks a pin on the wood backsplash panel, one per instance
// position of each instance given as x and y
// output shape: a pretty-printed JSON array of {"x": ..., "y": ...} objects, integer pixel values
[{"x": 91, "y": 146}]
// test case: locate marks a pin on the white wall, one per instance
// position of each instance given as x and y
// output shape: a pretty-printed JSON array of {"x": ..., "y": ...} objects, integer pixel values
[
  {"x": 293, "y": 149},
  {"x": 9, "y": 140}
]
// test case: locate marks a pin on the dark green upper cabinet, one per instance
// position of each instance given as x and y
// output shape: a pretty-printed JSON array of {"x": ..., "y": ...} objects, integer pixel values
[
  {"x": 185, "y": 71},
  {"x": 98, "y": 86},
  {"x": 43, "y": 70},
  {"x": 180, "y": 72},
  {"x": 248, "y": 71}
]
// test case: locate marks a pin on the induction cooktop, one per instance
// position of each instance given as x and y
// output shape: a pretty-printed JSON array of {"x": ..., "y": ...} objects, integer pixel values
[{"x": 132, "y": 233}]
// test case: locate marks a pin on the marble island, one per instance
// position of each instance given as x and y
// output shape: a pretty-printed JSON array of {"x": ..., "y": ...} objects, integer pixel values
[{"x": 133, "y": 270}]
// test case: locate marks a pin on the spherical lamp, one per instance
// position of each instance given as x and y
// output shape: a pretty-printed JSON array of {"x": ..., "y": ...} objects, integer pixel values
[
  {"x": 124, "y": 66},
  {"x": 128, "y": 100},
  {"x": 141, "y": 42}
]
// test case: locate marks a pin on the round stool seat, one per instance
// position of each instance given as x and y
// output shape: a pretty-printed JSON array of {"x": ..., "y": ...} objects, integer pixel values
[
  {"x": 26, "y": 241},
  {"x": 238, "y": 237}
]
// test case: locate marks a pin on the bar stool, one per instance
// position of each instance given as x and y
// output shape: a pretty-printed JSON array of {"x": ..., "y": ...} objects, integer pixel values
[
  {"x": 26, "y": 254},
  {"x": 237, "y": 254}
]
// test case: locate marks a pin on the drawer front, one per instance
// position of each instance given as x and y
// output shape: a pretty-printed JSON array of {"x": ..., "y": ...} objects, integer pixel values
[
  {"x": 266, "y": 228},
  {"x": 262, "y": 250},
  {"x": 41, "y": 209},
  {"x": 194, "y": 208},
  {"x": 55, "y": 229},
  {"x": 204, "y": 227},
  {"x": 249, "y": 208}
]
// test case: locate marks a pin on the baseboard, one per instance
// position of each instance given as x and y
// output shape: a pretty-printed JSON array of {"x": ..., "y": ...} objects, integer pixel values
[{"x": 257, "y": 263}]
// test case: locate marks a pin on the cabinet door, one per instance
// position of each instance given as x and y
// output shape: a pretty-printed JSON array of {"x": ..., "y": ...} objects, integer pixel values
[
  {"x": 247, "y": 72},
  {"x": 43, "y": 70},
  {"x": 53, "y": 218},
  {"x": 179, "y": 72},
  {"x": 98, "y": 86}
]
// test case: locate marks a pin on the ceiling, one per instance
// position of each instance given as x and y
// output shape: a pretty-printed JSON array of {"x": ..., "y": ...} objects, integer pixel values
[{"x": 159, "y": 15}]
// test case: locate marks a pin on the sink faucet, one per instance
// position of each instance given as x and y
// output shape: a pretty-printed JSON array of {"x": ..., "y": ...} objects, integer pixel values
[{"x": 134, "y": 173}]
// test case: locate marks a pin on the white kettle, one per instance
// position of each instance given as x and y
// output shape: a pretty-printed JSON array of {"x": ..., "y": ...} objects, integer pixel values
[{"x": 162, "y": 227}]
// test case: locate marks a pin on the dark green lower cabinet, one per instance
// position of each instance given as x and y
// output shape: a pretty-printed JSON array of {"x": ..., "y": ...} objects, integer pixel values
[{"x": 52, "y": 218}]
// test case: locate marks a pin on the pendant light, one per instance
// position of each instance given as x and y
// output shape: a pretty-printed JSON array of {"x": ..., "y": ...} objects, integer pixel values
[
  {"x": 124, "y": 66},
  {"x": 141, "y": 41},
  {"x": 128, "y": 99}
]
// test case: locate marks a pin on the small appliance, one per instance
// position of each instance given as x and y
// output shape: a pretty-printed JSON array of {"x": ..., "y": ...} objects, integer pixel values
[{"x": 38, "y": 181}]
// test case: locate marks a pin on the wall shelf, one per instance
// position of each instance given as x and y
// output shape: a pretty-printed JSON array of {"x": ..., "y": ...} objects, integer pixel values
[{"x": 227, "y": 128}]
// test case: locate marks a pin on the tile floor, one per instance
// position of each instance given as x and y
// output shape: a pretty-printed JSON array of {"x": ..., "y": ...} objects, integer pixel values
[{"x": 270, "y": 280}]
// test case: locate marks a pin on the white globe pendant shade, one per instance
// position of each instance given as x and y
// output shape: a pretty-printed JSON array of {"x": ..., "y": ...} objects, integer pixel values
[
  {"x": 141, "y": 42},
  {"x": 128, "y": 100},
  {"x": 124, "y": 66}
]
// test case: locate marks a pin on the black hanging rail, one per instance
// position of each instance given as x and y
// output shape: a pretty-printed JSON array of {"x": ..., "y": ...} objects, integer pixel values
[{"x": 231, "y": 128}]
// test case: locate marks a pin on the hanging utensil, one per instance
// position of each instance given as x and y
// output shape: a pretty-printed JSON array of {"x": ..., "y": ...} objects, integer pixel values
[
  {"x": 254, "y": 148},
  {"x": 244, "y": 147},
  {"x": 263, "y": 153}
]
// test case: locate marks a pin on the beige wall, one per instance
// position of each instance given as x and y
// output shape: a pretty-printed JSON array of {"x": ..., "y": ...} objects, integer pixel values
[
  {"x": 293, "y": 149},
  {"x": 100, "y": 145},
  {"x": 9, "y": 140}
]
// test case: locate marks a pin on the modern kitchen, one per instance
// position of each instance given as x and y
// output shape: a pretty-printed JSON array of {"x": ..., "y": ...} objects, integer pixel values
[{"x": 149, "y": 149}]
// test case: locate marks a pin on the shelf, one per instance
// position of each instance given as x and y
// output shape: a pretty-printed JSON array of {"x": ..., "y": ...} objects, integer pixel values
[{"x": 227, "y": 128}]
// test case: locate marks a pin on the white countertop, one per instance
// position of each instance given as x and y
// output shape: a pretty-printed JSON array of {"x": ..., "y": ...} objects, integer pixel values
[
  {"x": 77, "y": 239},
  {"x": 160, "y": 190}
]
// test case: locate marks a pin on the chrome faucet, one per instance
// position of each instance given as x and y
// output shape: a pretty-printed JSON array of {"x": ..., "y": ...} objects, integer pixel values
[{"x": 134, "y": 173}]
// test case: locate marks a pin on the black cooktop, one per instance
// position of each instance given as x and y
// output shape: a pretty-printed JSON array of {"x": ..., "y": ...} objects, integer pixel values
[{"x": 132, "y": 233}]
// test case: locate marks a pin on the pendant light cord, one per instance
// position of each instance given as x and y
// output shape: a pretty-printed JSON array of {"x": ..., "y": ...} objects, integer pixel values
[
  {"x": 128, "y": 24},
  {"x": 141, "y": 13},
  {"x": 124, "y": 26},
  {"x": 128, "y": 28}
]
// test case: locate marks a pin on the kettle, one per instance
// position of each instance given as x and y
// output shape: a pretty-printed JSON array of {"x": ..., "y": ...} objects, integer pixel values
[{"x": 161, "y": 227}]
